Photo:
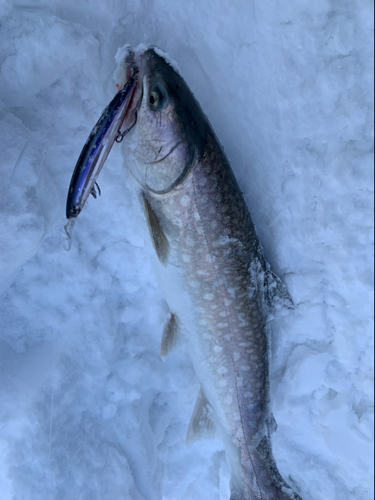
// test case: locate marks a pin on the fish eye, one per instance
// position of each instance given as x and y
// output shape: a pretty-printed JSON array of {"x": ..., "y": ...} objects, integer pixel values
[{"x": 158, "y": 98}]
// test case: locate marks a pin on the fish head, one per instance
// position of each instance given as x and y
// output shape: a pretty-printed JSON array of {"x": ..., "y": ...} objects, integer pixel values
[{"x": 170, "y": 129}]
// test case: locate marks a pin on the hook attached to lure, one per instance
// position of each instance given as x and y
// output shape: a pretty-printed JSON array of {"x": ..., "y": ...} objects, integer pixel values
[{"x": 98, "y": 146}]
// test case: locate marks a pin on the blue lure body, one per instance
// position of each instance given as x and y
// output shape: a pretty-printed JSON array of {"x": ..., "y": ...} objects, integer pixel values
[{"x": 97, "y": 148}]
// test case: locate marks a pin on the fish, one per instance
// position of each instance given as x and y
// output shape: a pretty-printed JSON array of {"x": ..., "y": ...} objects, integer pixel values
[{"x": 219, "y": 288}]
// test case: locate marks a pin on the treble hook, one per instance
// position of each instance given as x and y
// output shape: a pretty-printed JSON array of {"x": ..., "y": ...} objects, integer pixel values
[
  {"x": 120, "y": 136},
  {"x": 93, "y": 192}
]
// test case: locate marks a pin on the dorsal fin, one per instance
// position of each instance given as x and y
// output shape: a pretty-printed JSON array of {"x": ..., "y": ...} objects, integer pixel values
[
  {"x": 170, "y": 337},
  {"x": 201, "y": 425},
  {"x": 158, "y": 237}
]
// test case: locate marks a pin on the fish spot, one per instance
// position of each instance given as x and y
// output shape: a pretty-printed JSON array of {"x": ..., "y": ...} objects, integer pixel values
[
  {"x": 202, "y": 322},
  {"x": 208, "y": 296},
  {"x": 202, "y": 272},
  {"x": 213, "y": 306},
  {"x": 222, "y": 325},
  {"x": 228, "y": 400},
  {"x": 223, "y": 314},
  {"x": 218, "y": 348},
  {"x": 193, "y": 283},
  {"x": 222, "y": 370},
  {"x": 228, "y": 337},
  {"x": 245, "y": 368},
  {"x": 227, "y": 302},
  {"x": 185, "y": 200},
  {"x": 248, "y": 395},
  {"x": 236, "y": 356},
  {"x": 223, "y": 383},
  {"x": 202, "y": 181},
  {"x": 190, "y": 241},
  {"x": 186, "y": 257}
]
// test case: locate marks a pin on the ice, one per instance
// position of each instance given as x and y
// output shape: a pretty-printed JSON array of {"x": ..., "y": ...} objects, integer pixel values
[{"x": 88, "y": 409}]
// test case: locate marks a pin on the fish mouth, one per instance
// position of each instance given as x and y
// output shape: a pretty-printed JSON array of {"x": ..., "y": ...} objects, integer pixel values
[
  {"x": 134, "y": 67},
  {"x": 133, "y": 70}
]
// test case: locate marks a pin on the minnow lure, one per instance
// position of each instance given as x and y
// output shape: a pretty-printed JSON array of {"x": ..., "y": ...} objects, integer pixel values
[{"x": 97, "y": 148}]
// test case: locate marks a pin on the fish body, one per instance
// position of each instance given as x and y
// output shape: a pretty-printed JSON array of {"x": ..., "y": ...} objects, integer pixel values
[
  {"x": 215, "y": 283},
  {"x": 212, "y": 272}
]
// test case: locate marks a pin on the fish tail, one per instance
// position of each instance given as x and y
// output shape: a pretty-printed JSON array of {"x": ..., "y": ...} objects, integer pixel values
[{"x": 261, "y": 479}]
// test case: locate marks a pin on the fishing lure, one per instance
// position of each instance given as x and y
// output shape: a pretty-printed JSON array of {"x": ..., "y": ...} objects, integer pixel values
[{"x": 98, "y": 146}]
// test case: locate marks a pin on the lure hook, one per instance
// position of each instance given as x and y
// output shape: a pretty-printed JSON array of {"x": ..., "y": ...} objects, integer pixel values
[
  {"x": 121, "y": 135},
  {"x": 93, "y": 190}
]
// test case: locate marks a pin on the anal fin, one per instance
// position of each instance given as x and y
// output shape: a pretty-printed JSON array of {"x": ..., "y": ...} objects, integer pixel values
[
  {"x": 201, "y": 424},
  {"x": 159, "y": 240},
  {"x": 170, "y": 337}
]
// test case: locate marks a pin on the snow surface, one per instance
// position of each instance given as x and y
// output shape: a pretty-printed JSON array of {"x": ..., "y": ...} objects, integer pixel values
[{"x": 88, "y": 410}]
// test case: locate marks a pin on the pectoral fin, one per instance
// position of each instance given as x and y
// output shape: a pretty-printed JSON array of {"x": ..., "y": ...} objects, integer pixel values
[
  {"x": 170, "y": 337},
  {"x": 201, "y": 424},
  {"x": 158, "y": 237}
]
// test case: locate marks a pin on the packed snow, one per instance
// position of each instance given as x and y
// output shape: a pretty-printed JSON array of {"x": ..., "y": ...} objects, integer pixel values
[{"x": 88, "y": 409}]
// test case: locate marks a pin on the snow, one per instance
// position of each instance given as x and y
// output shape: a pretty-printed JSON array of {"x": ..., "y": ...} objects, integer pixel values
[{"x": 88, "y": 408}]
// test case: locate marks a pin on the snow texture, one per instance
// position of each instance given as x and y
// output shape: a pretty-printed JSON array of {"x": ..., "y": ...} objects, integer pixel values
[{"x": 88, "y": 410}]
